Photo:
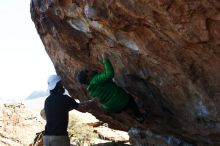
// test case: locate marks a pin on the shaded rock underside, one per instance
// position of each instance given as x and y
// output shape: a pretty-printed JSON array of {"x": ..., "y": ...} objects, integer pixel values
[{"x": 166, "y": 53}]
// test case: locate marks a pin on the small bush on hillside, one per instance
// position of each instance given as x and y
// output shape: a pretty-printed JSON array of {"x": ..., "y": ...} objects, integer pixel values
[{"x": 80, "y": 133}]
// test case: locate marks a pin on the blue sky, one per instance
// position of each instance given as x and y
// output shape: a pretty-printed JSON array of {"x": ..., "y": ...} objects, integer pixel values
[{"x": 24, "y": 63}]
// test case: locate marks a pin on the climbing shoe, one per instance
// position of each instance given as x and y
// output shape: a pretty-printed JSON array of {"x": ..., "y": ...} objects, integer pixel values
[{"x": 141, "y": 118}]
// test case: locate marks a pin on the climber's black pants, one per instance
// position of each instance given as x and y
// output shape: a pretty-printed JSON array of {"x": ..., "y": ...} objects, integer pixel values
[{"x": 133, "y": 107}]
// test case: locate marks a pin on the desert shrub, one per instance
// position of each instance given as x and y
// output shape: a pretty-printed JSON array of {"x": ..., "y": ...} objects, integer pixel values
[{"x": 80, "y": 133}]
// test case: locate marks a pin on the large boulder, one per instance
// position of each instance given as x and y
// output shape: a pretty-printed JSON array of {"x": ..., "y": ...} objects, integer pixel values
[{"x": 165, "y": 53}]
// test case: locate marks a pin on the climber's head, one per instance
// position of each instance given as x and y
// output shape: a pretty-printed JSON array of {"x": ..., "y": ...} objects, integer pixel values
[
  {"x": 55, "y": 85},
  {"x": 84, "y": 76}
]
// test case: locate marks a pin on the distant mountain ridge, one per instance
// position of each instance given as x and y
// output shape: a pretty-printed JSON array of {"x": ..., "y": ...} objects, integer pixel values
[{"x": 37, "y": 94}]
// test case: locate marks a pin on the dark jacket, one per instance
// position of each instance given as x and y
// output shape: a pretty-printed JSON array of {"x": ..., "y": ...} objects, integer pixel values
[
  {"x": 56, "y": 109},
  {"x": 101, "y": 86}
]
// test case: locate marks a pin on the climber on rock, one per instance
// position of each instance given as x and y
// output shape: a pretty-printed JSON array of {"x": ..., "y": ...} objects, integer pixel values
[
  {"x": 100, "y": 86},
  {"x": 55, "y": 112}
]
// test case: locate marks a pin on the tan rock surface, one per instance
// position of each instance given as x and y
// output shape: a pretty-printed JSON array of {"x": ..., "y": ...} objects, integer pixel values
[{"x": 18, "y": 125}]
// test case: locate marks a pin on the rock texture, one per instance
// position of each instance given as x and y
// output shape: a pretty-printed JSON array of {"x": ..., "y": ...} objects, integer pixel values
[
  {"x": 166, "y": 53},
  {"x": 18, "y": 125},
  {"x": 148, "y": 138}
]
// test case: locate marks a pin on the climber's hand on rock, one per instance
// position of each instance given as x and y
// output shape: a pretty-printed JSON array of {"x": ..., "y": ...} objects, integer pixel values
[{"x": 82, "y": 108}]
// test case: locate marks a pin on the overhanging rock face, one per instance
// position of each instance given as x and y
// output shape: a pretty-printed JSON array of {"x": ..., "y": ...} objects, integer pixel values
[{"x": 165, "y": 53}]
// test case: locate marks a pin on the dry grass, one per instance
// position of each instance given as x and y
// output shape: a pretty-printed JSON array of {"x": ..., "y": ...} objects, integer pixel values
[{"x": 80, "y": 133}]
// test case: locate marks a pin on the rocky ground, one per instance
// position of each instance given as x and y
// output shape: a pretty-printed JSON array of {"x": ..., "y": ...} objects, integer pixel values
[{"x": 18, "y": 124}]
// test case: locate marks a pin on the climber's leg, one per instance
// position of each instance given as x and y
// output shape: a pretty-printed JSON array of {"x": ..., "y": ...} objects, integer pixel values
[
  {"x": 132, "y": 105},
  {"x": 46, "y": 141},
  {"x": 59, "y": 140}
]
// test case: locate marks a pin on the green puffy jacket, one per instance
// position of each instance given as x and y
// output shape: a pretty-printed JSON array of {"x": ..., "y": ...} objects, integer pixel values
[{"x": 101, "y": 86}]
